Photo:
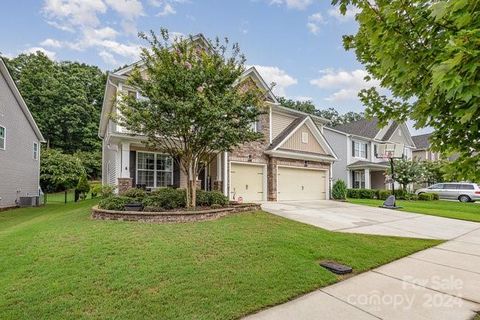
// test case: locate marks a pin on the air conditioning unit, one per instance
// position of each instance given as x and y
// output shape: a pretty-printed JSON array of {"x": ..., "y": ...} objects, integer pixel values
[{"x": 31, "y": 201}]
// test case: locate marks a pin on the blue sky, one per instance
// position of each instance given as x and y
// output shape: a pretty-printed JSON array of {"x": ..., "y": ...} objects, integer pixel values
[{"x": 294, "y": 43}]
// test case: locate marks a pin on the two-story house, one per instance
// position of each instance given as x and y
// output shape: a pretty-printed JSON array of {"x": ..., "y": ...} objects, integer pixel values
[
  {"x": 355, "y": 144},
  {"x": 291, "y": 162},
  {"x": 422, "y": 151},
  {"x": 20, "y": 141}
]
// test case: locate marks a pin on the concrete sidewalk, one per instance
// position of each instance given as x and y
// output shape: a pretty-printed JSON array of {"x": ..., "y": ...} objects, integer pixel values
[{"x": 438, "y": 283}]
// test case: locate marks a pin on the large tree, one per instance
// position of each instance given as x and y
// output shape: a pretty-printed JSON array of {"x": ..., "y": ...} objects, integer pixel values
[
  {"x": 65, "y": 99},
  {"x": 428, "y": 54},
  {"x": 193, "y": 104}
]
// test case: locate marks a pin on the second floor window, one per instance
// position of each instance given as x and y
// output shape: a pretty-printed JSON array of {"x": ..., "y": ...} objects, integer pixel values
[
  {"x": 3, "y": 134},
  {"x": 35, "y": 151},
  {"x": 359, "y": 149}
]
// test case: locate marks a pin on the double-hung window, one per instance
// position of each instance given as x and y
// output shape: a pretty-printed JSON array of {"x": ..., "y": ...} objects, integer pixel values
[
  {"x": 35, "y": 151},
  {"x": 3, "y": 137},
  {"x": 359, "y": 149},
  {"x": 154, "y": 170},
  {"x": 359, "y": 179}
]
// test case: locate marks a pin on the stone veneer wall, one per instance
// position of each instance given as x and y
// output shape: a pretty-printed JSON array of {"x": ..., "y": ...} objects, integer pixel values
[{"x": 124, "y": 184}]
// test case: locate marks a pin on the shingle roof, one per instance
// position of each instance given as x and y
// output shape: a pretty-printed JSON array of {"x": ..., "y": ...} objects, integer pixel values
[
  {"x": 363, "y": 128},
  {"x": 390, "y": 131},
  {"x": 278, "y": 139},
  {"x": 422, "y": 141}
]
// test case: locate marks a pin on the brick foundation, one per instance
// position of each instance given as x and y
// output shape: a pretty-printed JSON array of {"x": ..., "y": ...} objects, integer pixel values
[{"x": 124, "y": 184}]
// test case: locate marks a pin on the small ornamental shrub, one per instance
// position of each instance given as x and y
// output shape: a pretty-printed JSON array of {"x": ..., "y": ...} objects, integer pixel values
[
  {"x": 166, "y": 198},
  {"x": 135, "y": 193},
  {"x": 425, "y": 196},
  {"x": 435, "y": 196},
  {"x": 114, "y": 203},
  {"x": 362, "y": 193},
  {"x": 411, "y": 196},
  {"x": 400, "y": 194},
  {"x": 107, "y": 190},
  {"x": 202, "y": 198},
  {"x": 95, "y": 189},
  {"x": 339, "y": 190},
  {"x": 217, "y": 198},
  {"x": 215, "y": 206},
  {"x": 82, "y": 185},
  {"x": 383, "y": 194},
  {"x": 353, "y": 193}
]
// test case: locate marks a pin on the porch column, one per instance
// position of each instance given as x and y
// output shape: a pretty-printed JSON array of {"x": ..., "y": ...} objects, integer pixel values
[
  {"x": 367, "y": 179},
  {"x": 349, "y": 179},
  {"x": 125, "y": 160}
]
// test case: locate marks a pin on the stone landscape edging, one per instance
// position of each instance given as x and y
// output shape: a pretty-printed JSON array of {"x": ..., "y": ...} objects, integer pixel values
[{"x": 171, "y": 216}]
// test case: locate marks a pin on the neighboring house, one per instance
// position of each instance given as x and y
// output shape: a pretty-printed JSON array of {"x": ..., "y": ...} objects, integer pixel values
[
  {"x": 355, "y": 144},
  {"x": 422, "y": 151},
  {"x": 291, "y": 162},
  {"x": 20, "y": 141}
]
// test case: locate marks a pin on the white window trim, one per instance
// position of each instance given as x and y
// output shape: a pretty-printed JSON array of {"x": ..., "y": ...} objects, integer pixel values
[
  {"x": 155, "y": 168},
  {"x": 35, "y": 152},
  {"x": 4, "y": 138},
  {"x": 360, "y": 145},
  {"x": 305, "y": 137},
  {"x": 360, "y": 181}
]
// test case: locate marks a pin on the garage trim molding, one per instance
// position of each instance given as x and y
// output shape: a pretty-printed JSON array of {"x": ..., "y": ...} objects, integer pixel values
[
  {"x": 265, "y": 176},
  {"x": 327, "y": 177}
]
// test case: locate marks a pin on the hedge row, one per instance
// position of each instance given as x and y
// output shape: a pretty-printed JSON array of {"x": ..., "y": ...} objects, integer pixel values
[
  {"x": 383, "y": 194},
  {"x": 162, "y": 199}
]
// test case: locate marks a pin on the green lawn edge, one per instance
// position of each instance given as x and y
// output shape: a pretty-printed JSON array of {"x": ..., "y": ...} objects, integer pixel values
[{"x": 58, "y": 263}]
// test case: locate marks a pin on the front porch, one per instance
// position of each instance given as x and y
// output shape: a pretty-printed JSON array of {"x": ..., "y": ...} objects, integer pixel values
[{"x": 367, "y": 175}]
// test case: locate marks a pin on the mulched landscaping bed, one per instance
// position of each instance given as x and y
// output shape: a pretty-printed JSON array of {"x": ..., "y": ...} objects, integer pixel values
[{"x": 177, "y": 216}]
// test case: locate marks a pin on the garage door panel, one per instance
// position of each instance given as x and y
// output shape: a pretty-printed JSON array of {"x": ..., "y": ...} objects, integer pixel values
[
  {"x": 247, "y": 182},
  {"x": 300, "y": 184}
]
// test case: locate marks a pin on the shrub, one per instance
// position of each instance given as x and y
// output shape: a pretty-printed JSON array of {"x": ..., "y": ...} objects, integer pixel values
[
  {"x": 202, "y": 198},
  {"x": 217, "y": 198},
  {"x": 95, "y": 189},
  {"x": 383, "y": 194},
  {"x": 353, "y": 193},
  {"x": 135, "y": 193},
  {"x": 215, "y": 206},
  {"x": 362, "y": 193},
  {"x": 166, "y": 198},
  {"x": 411, "y": 196},
  {"x": 425, "y": 196},
  {"x": 435, "y": 196},
  {"x": 400, "y": 194},
  {"x": 114, "y": 203},
  {"x": 82, "y": 185},
  {"x": 107, "y": 190},
  {"x": 339, "y": 190}
]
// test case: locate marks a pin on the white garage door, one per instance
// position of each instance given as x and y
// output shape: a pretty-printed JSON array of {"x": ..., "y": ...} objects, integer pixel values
[
  {"x": 300, "y": 184},
  {"x": 246, "y": 182}
]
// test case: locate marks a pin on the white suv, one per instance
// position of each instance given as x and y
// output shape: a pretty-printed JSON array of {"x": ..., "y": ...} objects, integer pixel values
[{"x": 461, "y": 191}]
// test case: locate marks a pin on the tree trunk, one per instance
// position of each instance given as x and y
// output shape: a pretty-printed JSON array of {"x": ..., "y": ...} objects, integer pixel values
[{"x": 192, "y": 185}]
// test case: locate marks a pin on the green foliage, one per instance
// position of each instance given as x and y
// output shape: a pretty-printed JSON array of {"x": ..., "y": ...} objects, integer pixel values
[
  {"x": 426, "y": 53},
  {"x": 95, "y": 188},
  {"x": 434, "y": 171},
  {"x": 191, "y": 93},
  {"x": 135, "y": 193},
  {"x": 411, "y": 196},
  {"x": 114, "y": 203},
  {"x": 166, "y": 198},
  {"x": 59, "y": 171},
  {"x": 406, "y": 172},
  {"x": 92, "y": 162},
  {"x": 208, "y": 198},
  {"x": 107, "y": 190},
  {"x": 384, "y": 194},
  {"x": 339, "y": 190},
  {"x": 425, "y": 197},
  {"x": 435, "y": 196},
  {"x": 330, "y": 113},
  {"x": 65, "y": 99},
  {"x": 83, "y": 186},
  {"x": 363, "y": 193}
]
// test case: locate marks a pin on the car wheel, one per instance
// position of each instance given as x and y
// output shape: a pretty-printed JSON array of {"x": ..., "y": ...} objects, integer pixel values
[{"x": 464, "y": 198}]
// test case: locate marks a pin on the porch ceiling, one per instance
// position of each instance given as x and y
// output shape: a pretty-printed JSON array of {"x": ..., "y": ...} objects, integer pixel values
[{"x": 369, "y": 165}]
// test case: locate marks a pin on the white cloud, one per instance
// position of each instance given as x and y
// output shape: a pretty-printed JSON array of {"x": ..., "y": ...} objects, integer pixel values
[
  {"x": 346, "y": 84},
  {"x": 293, "y": 4},
  {"x": 281, "y": 79},
  {"x": 52, "y": 55},
  {"x": 303, "y": 98},
  {"x": 168, "y": 9},
  {"x": 349, "y": 15},
  {"x": 314, "y": 22},
  {"x": 108, "y": 58},
  {"x": 129, "y": 9},
  {"x": 74, "y": 12},
  {"x": 51, "y": 43}
]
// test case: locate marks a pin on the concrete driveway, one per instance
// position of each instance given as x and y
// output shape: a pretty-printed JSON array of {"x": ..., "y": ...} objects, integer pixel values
[
  {"x": 438, "y": 283},
  {"x": 347, "y": 217}
]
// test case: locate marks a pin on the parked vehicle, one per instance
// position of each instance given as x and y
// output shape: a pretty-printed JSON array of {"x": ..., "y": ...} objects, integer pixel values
[{"x": 461, "y": 191}]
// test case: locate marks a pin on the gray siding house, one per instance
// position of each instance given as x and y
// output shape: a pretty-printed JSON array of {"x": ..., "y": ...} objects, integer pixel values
[
  {"x": 20, "y": 141},
  {"x": 355, "y": 145}
]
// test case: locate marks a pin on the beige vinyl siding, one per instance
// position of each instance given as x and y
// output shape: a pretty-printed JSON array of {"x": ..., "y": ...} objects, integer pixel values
[
  {"x": 295, "y": 142},
  {"x": 280, "y": 122},
  {"x": 399, "y": 137}
]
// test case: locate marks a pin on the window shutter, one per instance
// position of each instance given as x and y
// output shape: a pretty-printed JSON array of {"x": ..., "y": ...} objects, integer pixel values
[
  {"x": 366, "y": 151},
  {"x": 133, "y": 166},
  {"x": 353, "y": 148}
]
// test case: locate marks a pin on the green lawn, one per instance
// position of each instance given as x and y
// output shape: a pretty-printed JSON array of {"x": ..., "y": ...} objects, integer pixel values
[
  {"x": 441, "y": 208},
  {"x": 57, "y": 263}
]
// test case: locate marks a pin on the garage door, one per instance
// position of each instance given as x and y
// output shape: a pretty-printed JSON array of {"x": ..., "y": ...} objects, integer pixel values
[
  {"x": 246, "y": 182},
  {"x": 300, "y": 184}
]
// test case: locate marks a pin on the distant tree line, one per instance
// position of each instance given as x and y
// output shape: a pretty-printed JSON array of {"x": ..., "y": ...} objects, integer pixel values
[{"x": 330, "y": 114}]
